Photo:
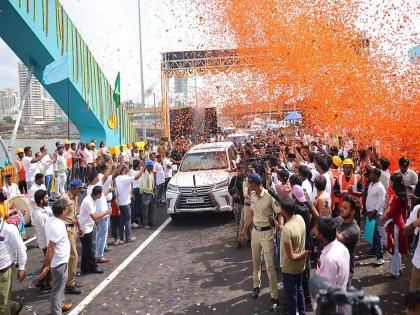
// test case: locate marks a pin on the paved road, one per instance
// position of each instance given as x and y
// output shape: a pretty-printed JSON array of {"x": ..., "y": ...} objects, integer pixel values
[{"x": 191, "y": 267}]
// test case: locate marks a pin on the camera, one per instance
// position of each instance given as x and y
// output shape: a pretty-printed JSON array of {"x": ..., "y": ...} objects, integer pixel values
[{"x": 334, "y": 301}]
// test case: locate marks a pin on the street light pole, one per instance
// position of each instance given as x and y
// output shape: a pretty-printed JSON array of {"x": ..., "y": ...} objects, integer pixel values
[{"x": 142, "y": 105}]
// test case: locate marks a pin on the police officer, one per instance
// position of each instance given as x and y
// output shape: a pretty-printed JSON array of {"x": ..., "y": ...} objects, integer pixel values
[{"x": 261, "y": 206}]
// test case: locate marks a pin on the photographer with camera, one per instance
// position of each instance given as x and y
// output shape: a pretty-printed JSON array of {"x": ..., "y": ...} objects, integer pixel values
[{"x": 334, "y": 301}]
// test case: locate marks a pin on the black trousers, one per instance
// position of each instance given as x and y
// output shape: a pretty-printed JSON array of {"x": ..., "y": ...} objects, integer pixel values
[
  {"x": 88, "y": 254},
  {"x": 115, "y": 226},
  {"x": 22, "y": 187},
  {"x": 136, "y": 206},
  {"x": 305, "y": 280}
]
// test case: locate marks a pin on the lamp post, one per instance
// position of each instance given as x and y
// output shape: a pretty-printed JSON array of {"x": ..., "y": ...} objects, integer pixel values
[{"x": 142, "y": 105}]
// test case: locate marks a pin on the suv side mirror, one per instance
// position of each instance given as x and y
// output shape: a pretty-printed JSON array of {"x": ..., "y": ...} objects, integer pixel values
[{"x": 175, "y": 168}]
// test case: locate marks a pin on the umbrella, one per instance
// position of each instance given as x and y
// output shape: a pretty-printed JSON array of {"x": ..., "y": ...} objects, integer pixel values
[{"x": 293, "y": 116}]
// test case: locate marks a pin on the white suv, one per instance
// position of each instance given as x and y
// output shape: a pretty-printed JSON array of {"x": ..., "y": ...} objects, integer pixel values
[{"x": 201, "y": 183}]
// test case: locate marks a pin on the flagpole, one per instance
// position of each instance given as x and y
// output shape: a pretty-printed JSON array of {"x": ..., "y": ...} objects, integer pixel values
[
  {"x": 68, "y": 109},
  {"x": 142, "y": 105},
  {"x": 119, "y": 125}
]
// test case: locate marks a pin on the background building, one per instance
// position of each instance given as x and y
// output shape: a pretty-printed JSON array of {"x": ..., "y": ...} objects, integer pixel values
[
  {"x": 39, "y": 107},
  {"x": 32, "y": 111},
  {"x": 9, "y": 103}
]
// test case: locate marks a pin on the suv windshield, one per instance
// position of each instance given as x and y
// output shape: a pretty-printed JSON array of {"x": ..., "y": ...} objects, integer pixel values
[{"x": 202, "y": 161}]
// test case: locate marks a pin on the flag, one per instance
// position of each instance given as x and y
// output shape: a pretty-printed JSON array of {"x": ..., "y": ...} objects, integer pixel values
[
  {"x": 57, "y": 70},
  {"x": 116, "y": 96}
]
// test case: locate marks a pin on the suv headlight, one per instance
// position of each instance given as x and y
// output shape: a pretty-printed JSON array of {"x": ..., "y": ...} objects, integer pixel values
[
  {"x": 221, "y": 185},
  {"x": 172, "y": 188}
]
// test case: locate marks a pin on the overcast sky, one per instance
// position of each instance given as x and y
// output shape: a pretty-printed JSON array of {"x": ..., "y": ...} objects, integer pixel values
[{"x": 110, "y": 28}]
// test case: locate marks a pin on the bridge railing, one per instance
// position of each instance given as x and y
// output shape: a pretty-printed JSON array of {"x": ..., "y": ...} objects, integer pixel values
[{"x": 49, "y": 19}]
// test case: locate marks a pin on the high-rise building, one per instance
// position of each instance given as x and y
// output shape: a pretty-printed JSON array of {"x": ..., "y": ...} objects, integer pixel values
[
  {"x": 9, "y": 103},
  {"x": 32, "y": 110},
  {"x": 48, "y": 108},
  {"x": 52, "y": 112}
]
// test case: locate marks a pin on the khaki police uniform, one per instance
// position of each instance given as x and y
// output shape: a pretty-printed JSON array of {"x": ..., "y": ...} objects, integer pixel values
[
  {"x": 70, "y": 221},
  {"x": 245, "y": 208},
  {"x": 263, "y": 238}
]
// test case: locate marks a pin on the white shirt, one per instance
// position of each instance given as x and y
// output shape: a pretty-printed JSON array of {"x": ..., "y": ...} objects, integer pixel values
[
  {"x": 375, "y": 197},
  {"x": 167, "y": 167},
  {"x": 328, "y": 186},
  {"x": 160, "y": 174},
  {"x": 384, "y": 179},
  {"x": 126, "y": 156},
  {"x": 89, "y": 155},
  {"x": 39, "y": 217},
  {"x": 48, "y": 165},
  {"x": 31, "y": 169},
  {"x": 411, "y": 219},
  {"x": 123, "y": 188},
  {"x": 410, "y": 179},
  {"x": 34, "y": 188},
  {"x": 11, "y": 247},
  {"x": 306, "y": 185},
  {"x": 87, "y": 208},
  {"x": 12, "y": 190},
  {"x": 106, "y": 186},
  {"x": 334, "y": 264},
  {"x": 133, "y": 173},
  {"x": 56, "y": 232},
  {"x": 101, "y": 203}
]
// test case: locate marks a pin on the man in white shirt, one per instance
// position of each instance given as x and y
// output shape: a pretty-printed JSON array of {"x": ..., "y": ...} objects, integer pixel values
[
  {"x": 31, "y": 166},
  {"x": 136, "y": 213},
  {"x": 57, "y": 256},
  {"x": 375, "y": 205},
  {"x": 87, "y": 218},
  {"x": 125, "y": 155},
  {"x": 334, "y": 262},
  {"x": 385, "y": 176},
  {"x": 410, "y": 177},
  {"x": 160, "y": 178},
  {"x": 123, "y": 184},
  {"x": 40, "y": 214},
  {"x": 167, "y": 169},
  {"x": 37, "y": 185},
  {"x": 48, "y": 167},
  {"x": 89, "y": 157},
  {"x": 60, "y": 170},
  {"x": 103, "y": 180},
  {"x": 12, "y": 190},
  {"x": 147, "y": 191},
  {"x": 321, "y": 165},
  {"x": 413, "y": 226},
  {"x": 11, "y": 246}
]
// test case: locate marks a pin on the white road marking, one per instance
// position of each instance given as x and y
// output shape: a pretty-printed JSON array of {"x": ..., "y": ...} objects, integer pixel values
[
  {"x": 117, "y": 271},
  {"x": 30, "y": 240}
]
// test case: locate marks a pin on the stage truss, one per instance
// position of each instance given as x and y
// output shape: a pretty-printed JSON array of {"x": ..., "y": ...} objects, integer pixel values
[{"x": 191, "y": 63}]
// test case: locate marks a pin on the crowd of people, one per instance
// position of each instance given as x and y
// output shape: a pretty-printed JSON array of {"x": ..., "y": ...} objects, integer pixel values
[
  {"x": 120, "y": 191},
  {"x": 300, "y": 199},
  {"x": 323, "y": 192}
]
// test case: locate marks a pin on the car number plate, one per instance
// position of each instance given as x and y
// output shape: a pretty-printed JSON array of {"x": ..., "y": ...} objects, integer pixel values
[{"x": 195, "y": 200}]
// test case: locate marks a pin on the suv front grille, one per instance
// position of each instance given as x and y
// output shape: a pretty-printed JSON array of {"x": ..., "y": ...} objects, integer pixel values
[{"x": 196, "y": 192}]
